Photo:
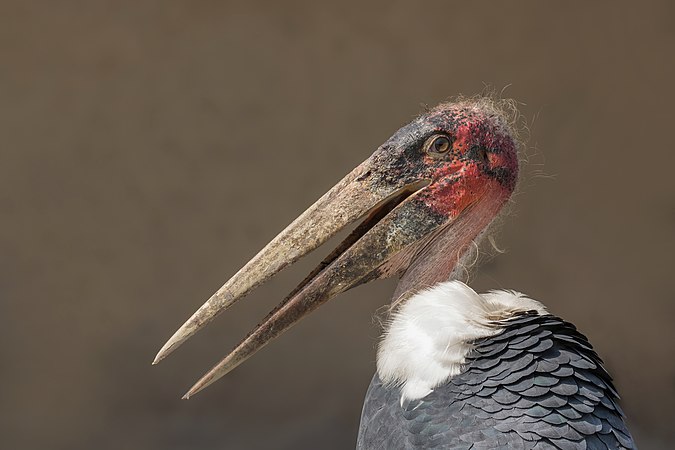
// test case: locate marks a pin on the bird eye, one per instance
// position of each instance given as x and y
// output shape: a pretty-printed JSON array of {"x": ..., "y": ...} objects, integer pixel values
[{"x": 438, "y": 144}]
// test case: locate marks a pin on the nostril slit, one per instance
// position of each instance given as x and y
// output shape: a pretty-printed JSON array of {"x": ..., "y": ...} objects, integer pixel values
[{"x": 363, "y": 176}]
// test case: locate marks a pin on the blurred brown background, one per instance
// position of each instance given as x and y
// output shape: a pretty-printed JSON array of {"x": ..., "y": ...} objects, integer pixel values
[{"x": 149, "y": 148}]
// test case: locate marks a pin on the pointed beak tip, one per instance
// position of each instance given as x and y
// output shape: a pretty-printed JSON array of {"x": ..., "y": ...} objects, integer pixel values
[
  {"x": 198, "y": 320},
  {"x": 175, "y": 341},
  {"x": 163, "y": 352},
  {"x": 198, "y": 386}
]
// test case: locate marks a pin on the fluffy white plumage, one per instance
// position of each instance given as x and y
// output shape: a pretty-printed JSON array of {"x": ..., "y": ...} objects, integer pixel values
[{"x": 430, "y": 335}]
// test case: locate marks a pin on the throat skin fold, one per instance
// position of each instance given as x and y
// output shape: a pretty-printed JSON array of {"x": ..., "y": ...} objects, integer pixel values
[{"x": 440, "y": 257}]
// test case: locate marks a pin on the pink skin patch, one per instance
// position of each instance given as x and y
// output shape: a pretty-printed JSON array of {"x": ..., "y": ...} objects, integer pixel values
[
  {"x": 462, "y": 180},
  {"x": 452, "y": 195}
]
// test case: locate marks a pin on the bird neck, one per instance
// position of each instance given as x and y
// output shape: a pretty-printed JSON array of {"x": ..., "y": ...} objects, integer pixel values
[
  {"x": 448, "y": 253},
  {"x": 430, "y": 335}
]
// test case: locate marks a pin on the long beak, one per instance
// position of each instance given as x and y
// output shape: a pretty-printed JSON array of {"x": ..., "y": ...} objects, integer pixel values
[{"x": 394, "y": 220}]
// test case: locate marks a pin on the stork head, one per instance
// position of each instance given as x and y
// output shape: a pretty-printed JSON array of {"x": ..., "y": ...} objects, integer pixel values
[{"x": 423, "y": 197}]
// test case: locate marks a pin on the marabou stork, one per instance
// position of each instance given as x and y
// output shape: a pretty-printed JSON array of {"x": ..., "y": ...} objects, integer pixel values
[{"x": 455, "y": 369}]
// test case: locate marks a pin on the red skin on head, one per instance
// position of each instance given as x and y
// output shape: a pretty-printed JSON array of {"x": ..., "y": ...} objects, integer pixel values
[{"x": 462, "y": 181}]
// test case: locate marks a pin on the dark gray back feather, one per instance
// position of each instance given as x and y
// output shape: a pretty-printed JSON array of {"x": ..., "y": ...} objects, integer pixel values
[{"x": 537, "y": 385}]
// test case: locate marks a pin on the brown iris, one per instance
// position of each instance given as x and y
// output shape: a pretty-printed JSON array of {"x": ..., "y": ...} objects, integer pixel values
[{"x": 438, "y": 144}]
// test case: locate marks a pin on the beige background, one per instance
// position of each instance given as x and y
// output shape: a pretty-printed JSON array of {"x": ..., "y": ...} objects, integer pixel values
[{"x": 149, "y": 148}]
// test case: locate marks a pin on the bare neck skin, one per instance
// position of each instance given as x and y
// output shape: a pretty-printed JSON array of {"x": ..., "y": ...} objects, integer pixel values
[{"x": 440, "y": 258}]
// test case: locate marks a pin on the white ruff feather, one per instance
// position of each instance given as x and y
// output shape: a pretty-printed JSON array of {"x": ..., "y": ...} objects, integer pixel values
[{"x": 430, "y": 335}]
